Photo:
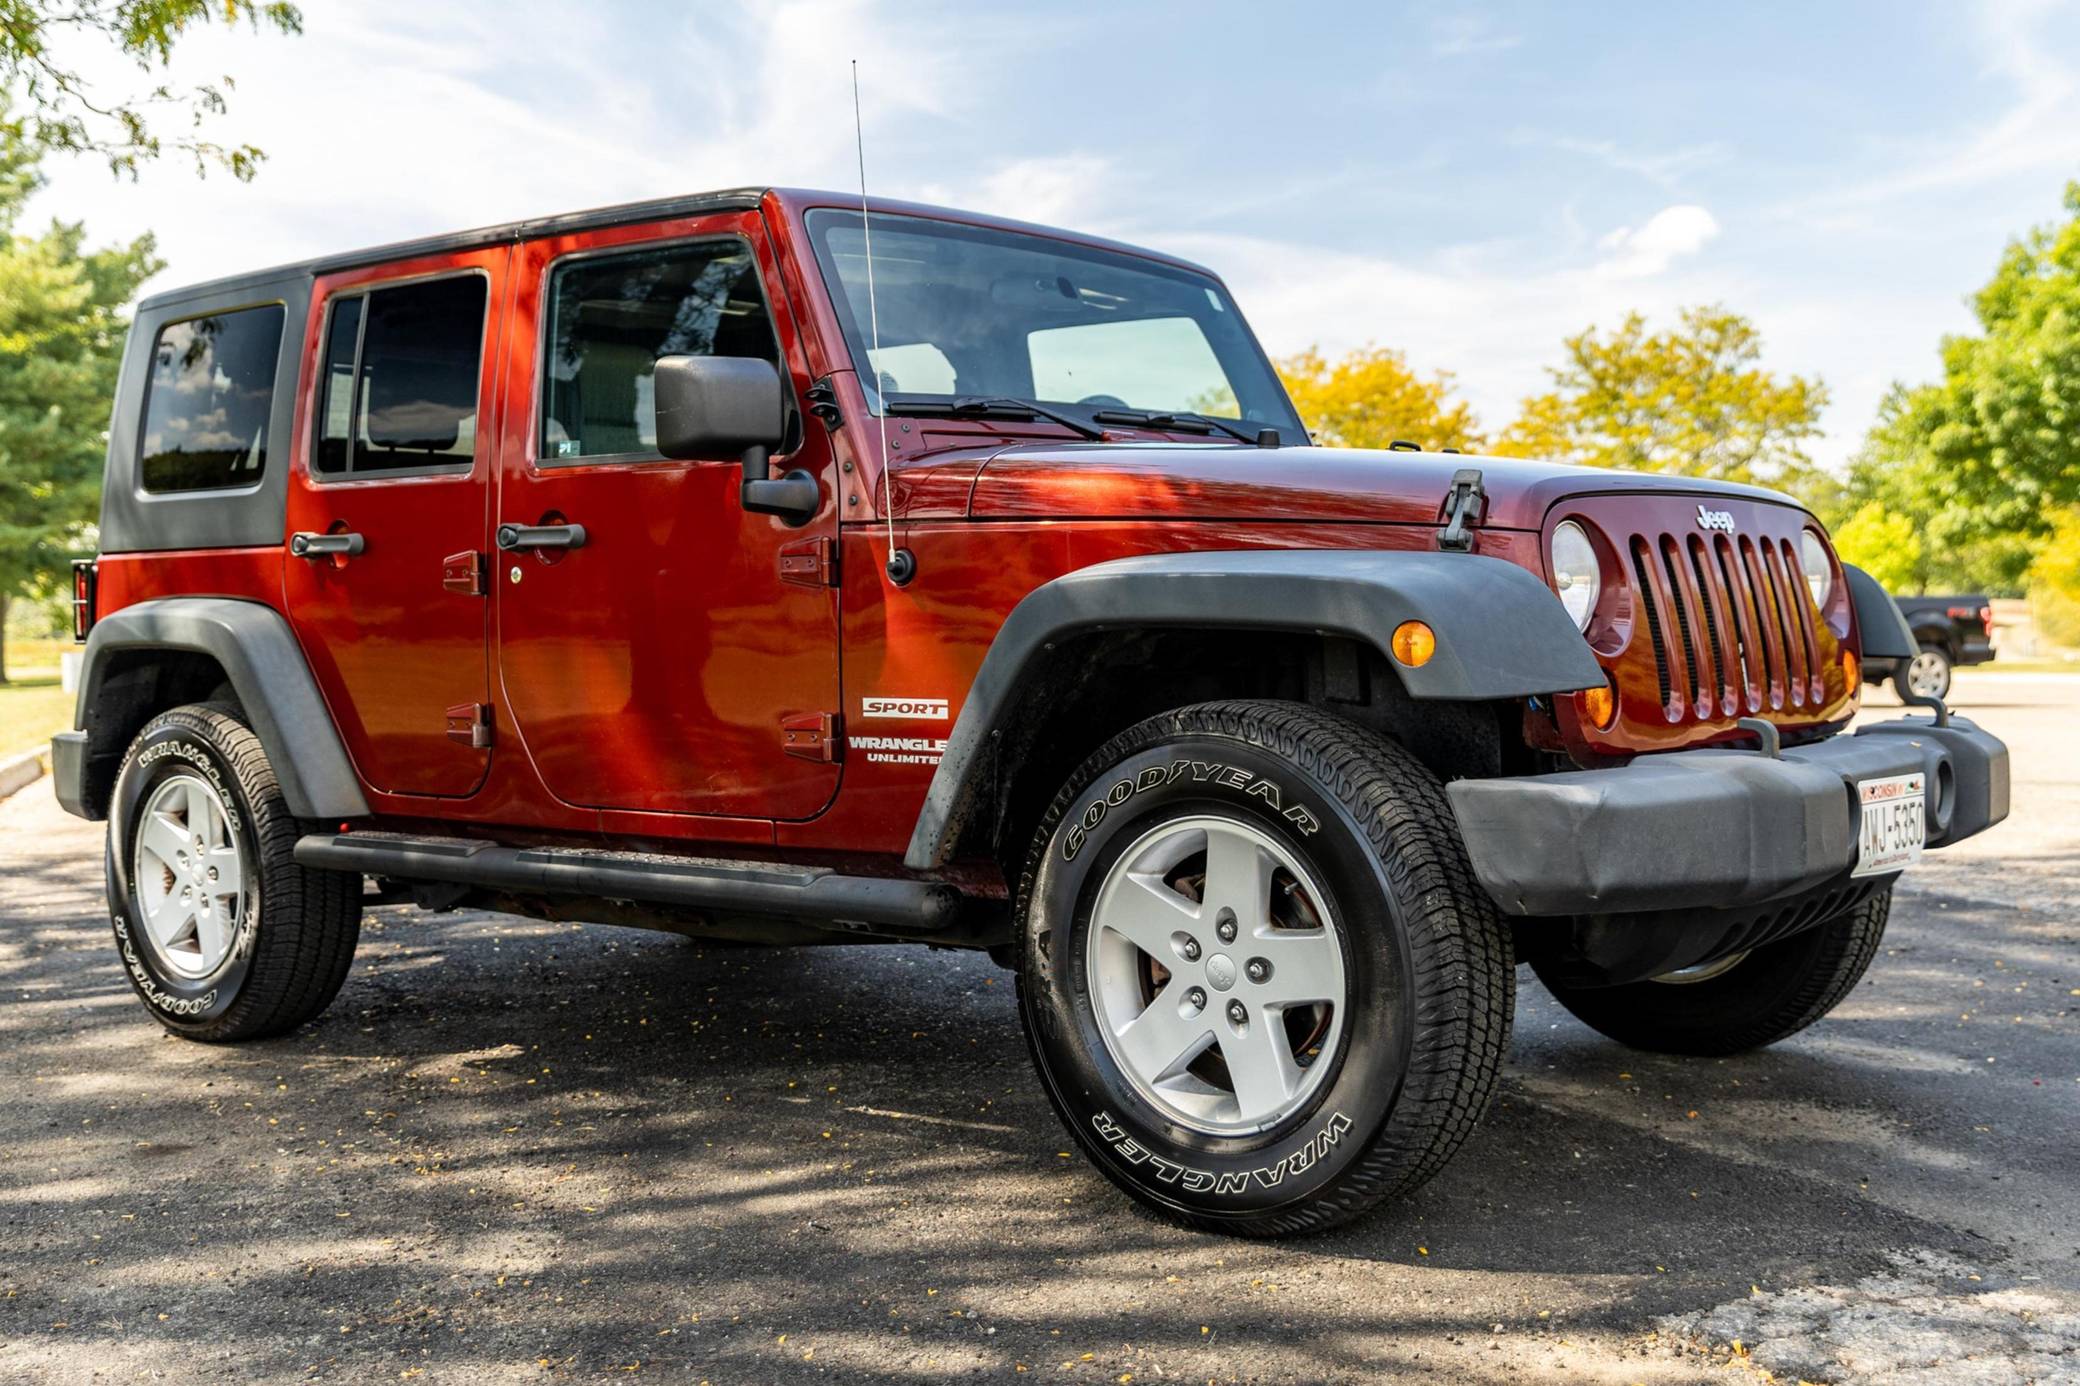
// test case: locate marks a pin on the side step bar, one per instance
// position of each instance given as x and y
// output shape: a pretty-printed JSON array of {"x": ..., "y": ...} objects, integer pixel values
[{"x": 728, "y": 887}]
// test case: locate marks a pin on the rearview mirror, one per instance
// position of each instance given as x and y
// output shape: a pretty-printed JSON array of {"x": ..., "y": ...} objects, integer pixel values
[{"x": 710, "y": 406}]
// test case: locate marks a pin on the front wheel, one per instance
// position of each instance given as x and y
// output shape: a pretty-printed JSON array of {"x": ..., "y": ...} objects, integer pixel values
[
  {"x": 1259, "y": 981},
  {"x": 223, "y": 935},
  {"x": 1926, "y": 675},
  {"x": 1743, "y": 1002}
]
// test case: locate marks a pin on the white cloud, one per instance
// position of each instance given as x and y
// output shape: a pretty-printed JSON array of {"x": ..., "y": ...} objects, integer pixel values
[
  {"x": 1461, "y": 35},
  {"x": 1671, "y": 234},
  {"x": 1072, "y": 190},
  {"x": 400, "y": 119}
]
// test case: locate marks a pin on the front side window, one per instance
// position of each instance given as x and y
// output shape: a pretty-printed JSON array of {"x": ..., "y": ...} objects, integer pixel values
[
  {"x": 968, "y": 312},
  {"x": 400, "y": 377},
  {"x": 210, "y": 401},
  {"x": 612, "y": 316}
]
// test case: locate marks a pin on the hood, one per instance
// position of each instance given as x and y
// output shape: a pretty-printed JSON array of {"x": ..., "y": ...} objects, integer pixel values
[{"x": 1219, "y": 482}]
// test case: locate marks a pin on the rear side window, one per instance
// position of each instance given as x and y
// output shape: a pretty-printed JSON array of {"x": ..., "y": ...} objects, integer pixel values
[
  {"x": 210, "y": 401},
  {"x": 612, "y": 316},
  {"x": 400, "y": 375}
]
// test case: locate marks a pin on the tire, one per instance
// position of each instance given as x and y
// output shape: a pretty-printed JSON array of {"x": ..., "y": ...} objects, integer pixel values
[
  {"x": 1767, "y": 995},
  {"x": 251, "y": 961},
  {"x": 1926, "y": 673},
  {"x": 1352, "y": 846}
]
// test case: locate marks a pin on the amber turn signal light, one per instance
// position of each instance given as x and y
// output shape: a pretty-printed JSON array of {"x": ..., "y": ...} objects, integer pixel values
[
  {"x": 1852, "y": 672},
  {"x": 1599, "y": 706},
  {"x": 1414, "y": 643}
]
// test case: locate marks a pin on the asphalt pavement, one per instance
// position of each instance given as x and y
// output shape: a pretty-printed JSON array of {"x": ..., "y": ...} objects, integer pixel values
[{"x": 518, "y": 1151}]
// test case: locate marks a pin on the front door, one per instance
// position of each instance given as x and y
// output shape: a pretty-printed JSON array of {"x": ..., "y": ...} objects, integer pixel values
[
  {"x": 680, "y": 658},
  {"x": 388, "y": 504}
]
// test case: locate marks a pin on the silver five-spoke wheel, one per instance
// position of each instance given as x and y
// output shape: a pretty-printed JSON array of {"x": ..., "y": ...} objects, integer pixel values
[
  {"x": 190, "y": 875},
  {"x": 1216, "y": 975}
]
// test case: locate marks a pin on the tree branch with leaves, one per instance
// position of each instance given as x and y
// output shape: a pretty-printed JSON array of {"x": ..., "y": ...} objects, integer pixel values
[{"x": 66, "y": 112}]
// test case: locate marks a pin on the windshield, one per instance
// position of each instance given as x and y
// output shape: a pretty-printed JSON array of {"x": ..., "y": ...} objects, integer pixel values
[{"x": 969, "y": 313}]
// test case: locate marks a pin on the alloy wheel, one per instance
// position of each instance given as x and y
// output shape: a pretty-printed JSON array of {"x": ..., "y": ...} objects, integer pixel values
[
  {"x": 1216, "y": 974},
  {"x": 190, "y": 875}
]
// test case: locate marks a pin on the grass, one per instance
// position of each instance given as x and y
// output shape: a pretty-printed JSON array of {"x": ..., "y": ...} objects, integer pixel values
[{"x": 31, "y": 709}]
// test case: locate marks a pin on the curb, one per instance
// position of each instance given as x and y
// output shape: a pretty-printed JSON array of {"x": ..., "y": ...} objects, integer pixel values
[{"x": 23, "y": 770}]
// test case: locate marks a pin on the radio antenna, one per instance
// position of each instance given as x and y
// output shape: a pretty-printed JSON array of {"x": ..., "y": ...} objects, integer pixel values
[{"x": 902, "y": 564}]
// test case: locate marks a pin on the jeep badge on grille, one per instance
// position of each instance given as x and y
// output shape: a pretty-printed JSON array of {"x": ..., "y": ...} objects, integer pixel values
[{"x": 1715, "y": 519}]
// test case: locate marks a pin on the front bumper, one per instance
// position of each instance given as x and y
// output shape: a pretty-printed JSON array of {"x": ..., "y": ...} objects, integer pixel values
[{"x": 1715, "y": 829}]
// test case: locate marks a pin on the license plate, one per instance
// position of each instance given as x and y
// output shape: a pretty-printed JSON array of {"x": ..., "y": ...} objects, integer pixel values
[{"x": 1893, "y": 827}]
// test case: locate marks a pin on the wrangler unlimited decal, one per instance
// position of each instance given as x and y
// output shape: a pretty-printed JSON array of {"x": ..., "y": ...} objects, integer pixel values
[
  {"x": 1210, "y": 772},
  {"x": 1235, "y": 1181}
]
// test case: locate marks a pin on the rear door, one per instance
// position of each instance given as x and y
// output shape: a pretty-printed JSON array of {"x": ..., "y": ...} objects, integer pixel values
[
  {"x": 684, "y": 659},
  {"x": 388, "y": 503}
]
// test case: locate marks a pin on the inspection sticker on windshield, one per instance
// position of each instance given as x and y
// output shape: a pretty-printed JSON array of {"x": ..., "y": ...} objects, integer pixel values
[{"x": 1893, "y": 827}]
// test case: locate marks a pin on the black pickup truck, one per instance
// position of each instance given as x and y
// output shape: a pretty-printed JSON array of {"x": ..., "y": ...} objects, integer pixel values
[{"x": 1951, "y": 630}]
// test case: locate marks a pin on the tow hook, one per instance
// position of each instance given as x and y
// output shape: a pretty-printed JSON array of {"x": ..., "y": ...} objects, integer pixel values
[{"x": 1462, "y": 508}]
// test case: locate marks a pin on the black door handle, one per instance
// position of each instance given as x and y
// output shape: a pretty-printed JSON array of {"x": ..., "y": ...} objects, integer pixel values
[
  {"x": 512, "y": 537},
  {"x": 308, "y": 545}
]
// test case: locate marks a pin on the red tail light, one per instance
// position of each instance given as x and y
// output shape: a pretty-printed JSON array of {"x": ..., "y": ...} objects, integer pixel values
[
  {"x": 82, "y": 598},
  {"x": 1986, "y": 620}
]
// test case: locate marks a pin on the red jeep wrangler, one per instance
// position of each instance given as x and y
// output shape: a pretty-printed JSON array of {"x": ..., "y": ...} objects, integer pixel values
[{"x": 746, "y": 566}]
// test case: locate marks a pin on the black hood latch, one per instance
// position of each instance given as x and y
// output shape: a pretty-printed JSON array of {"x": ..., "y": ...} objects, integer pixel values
[{"x": 1462, "y": 510}]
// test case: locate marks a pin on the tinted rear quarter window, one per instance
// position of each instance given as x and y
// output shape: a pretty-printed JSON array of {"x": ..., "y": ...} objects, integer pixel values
[{"x": 210, "y": 400}]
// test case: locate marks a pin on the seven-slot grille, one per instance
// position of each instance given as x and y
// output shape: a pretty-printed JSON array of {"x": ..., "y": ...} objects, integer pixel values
[{"x": 1731, "y": 621}]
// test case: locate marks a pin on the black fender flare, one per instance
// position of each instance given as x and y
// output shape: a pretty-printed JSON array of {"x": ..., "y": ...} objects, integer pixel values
[
  {"x": 266, "y": 668},
  {"x": 1501, "y": 633},
  {"x": 1880, "y": 625}
]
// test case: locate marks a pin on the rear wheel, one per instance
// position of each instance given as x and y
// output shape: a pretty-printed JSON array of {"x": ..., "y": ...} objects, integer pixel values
[
  {"x": 222, "y": 934},
  {"x": 1926, "y": 675},
  {"x": 1741, "y": 1002},
  {"x": 1259, "y": 982}
]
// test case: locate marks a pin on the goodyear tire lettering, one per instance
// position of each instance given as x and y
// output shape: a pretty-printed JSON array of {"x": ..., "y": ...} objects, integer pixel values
[{"x": 1199, "y": 772}]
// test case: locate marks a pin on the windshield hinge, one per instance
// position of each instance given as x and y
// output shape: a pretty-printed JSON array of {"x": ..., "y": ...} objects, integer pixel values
[
  {"x": 1462, "y": 509},
  {"x": 823, "y": 403}
]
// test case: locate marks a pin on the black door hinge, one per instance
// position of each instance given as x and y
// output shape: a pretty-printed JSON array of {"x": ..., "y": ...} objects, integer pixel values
[
  {"x": 470, "y": 724},
  {"x": 1462, "y": 510}
]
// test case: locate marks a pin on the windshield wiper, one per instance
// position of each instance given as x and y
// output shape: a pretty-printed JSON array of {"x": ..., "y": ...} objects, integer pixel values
[
  {"x": 1001, "y": 406},
  {"x": 1167, "y": 419}
]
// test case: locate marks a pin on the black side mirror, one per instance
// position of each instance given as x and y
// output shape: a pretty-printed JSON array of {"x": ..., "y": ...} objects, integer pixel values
[{"x": 714, "y": 405}]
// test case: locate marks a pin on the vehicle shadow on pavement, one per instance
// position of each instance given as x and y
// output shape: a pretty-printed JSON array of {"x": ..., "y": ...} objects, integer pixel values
[{"x": 517, "y": 1144}]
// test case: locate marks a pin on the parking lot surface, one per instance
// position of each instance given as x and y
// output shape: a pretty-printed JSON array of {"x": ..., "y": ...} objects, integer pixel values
[{"x": 517, "y": 1150}]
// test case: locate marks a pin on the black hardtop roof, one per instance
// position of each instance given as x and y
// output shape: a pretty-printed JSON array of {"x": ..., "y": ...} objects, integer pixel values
[
  {"x": 654, "y": 209},
  {"x": 265, "y": 282}
]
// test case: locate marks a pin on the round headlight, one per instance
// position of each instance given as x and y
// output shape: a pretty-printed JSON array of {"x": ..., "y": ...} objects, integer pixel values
[
  {"x": 1575, "y": 572},
  {"x": 1812, "y": 552}
]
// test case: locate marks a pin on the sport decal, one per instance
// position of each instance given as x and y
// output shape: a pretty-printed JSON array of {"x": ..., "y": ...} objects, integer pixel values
[{"x": 904, "y": 709}]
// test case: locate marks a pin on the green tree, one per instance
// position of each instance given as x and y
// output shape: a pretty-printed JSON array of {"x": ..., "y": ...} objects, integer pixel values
[
  {"x": 61, "y": 341},
  {"x": 1371, "y": 398},
  {"x": 1883, "y": 544},
  {"x": 1691, "y": 400},
  {"x": 1985, "y": 459},
  {"x": 2054, "y": 580},
  {"x": 66, "y": 112}
]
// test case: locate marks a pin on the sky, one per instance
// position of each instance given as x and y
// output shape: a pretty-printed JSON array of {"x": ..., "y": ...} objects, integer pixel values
[{"x": 1469, "y": 184}]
